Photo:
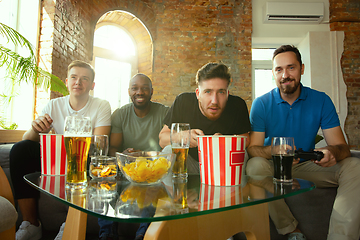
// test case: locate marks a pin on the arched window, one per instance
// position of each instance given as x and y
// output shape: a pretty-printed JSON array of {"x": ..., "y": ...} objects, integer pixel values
[{"x": 115, "y": 61}]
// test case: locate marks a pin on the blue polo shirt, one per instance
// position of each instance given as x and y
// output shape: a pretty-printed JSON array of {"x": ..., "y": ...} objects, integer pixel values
[{"x": 301, "y": 120}]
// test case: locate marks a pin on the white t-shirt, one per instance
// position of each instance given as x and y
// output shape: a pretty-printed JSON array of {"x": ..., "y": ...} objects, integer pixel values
[{"x": 97, "y": 109}]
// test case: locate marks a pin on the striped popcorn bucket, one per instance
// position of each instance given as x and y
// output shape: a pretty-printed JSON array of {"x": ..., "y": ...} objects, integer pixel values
[
  {"x": 53, "y": 154},
  {"x": 221, "y": 159},
  {"x": 212, "y": 197},
  {"x": 53, "y": 184}
]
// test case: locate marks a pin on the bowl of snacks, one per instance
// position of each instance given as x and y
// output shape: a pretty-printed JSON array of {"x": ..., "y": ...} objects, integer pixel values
[{"x": 145, "y": 167}]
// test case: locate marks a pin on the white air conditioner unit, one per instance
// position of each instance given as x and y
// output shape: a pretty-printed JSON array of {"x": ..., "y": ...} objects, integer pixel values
[{"x": 292, "y": 12}]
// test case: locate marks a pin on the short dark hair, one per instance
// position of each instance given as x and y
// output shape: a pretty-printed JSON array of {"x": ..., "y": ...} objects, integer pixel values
[
  {"x": 79, "y": 63},
  {"x": 143, "y": 76},
  {"x": 288, "y": 48},
  {"x": 213, "y": 70}
]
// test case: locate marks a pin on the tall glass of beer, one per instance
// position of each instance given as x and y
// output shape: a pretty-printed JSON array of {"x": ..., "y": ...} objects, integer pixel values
[
  {"x": 180, "y": 143},
  {"x": 77, "y": 137},
  {"x": 180, "y": 195}
]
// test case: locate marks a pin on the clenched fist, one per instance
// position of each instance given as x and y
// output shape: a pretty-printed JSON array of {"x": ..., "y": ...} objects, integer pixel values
[{"x": 42, "y": 124}]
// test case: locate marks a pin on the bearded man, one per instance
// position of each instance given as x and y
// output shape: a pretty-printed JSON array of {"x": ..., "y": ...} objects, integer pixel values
[
  {"x": 292, "y": 110},
  {"x": 137, "y": 124}
]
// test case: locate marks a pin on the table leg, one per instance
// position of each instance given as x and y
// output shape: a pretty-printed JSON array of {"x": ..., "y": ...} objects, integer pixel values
[
  {"x": 252, "y": 220},
  {"x": 75, "y": 226}
]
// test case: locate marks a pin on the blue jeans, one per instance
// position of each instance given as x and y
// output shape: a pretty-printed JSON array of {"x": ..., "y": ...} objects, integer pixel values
[
  {"x": 147, "y": 212},
  {"x": 106, "y": 228}
]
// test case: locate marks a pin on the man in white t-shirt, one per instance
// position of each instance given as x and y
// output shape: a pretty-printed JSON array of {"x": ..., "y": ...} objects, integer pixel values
[{"x": 25, "y": 155}]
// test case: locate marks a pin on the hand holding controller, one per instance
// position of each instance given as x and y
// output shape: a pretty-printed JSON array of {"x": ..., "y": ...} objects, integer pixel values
[{"x": 310, "y": 155}]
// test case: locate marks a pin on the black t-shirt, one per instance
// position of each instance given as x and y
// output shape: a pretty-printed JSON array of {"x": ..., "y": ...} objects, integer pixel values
[{"x": 233, "y": 120}]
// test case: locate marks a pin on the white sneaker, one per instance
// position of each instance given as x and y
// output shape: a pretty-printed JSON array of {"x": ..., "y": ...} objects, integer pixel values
[
  {"x": 60, "y": 233},
  {"x": 27, "y": 231}
]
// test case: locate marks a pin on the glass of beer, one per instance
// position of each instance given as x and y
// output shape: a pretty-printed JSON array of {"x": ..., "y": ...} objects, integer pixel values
[
  {"x": 77, "y": 137},
  {"x": 282, "y": 153},
  {"x": 180, "y": 195},
  {"x": 99, "y": 145},
  {"x": 77, "y": 196},
  {"x": 180, "y": 143}
]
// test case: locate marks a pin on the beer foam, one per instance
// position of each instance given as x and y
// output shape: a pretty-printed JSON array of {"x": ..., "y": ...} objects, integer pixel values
[{"x": 72, "y": 134}]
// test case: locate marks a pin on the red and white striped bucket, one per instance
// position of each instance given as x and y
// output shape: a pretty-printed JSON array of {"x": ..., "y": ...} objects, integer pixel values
[
  {"x": 54, "y": 184},
  {"x": 53, "y": 154},
  {"x": 221, "y": 159},
  {"x": 212, "y": 197}
]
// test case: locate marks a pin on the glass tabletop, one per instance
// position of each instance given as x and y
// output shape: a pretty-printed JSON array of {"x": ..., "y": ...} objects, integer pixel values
[{"x": 122, "y": 201}]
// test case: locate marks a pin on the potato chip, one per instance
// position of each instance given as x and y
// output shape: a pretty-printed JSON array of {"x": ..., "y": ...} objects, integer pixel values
[{"x": 143, "y": 170}]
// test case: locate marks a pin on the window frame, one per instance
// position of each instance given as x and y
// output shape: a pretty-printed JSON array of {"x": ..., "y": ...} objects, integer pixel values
[
  {"x": 259, "y": 64},
  {"x": 99, "y": 52}
]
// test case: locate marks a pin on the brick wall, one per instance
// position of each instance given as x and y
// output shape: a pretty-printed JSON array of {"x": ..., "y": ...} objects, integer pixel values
[
  {"x": 62, "y": 39},
  {"x": 192, "y": 33},
  {"x": 345, "y": 16},
  {"x": 188, "y": 34},
  {"x": 142, "y": 38},
  {"x": 185, "y": 34}
]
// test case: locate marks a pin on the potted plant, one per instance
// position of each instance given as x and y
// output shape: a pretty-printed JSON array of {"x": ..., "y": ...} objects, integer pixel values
[{"x": 21, "y": 69}]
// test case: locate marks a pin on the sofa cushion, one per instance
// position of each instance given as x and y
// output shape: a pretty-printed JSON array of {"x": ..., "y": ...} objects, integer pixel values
[
  {"x": 4, "y": 154},
  {"x": 8, "y": 214},
  {"x": 355, "y": 153}
]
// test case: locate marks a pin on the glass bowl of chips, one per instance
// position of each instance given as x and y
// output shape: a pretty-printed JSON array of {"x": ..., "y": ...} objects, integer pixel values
[{"x": 145, "y": 167}]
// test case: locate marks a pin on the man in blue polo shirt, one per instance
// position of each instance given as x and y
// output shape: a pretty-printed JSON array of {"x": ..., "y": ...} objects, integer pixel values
[{"x": 292, "y": 110}]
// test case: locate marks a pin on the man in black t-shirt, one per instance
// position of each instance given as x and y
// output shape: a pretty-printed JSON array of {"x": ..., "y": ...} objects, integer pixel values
[{"x": 210, "y": 110}]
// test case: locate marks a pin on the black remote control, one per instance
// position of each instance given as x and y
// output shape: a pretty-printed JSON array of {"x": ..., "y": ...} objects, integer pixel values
[{"x": 310, "y": 155}]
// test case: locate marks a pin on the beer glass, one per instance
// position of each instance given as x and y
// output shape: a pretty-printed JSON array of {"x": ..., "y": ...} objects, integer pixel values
[
  {"x": 180, "y": 143},
  {"x": 180, "y": 195},
  {"x": 99, "y": 145},
  {"x": 77, "y": 196},
  {"x": 77, "y": 138},
  {"x": 282, "y": 153}
]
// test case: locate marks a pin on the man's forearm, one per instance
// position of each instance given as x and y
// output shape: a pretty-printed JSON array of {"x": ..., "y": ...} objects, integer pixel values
[
  {"x": 112, "y": 151},
  {"x": 164, "y": 139},
  {"x": 32, "y": 135},
  {"x": 260, "y": 151},
  {"x": 340, "y": 151}
]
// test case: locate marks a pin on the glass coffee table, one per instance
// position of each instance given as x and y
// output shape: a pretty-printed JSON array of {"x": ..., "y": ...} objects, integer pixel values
[{"x": 196, "y": 211}]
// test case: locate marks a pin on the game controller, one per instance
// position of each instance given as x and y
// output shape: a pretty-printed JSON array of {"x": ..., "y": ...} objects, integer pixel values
[{"x": 310, "y": 155}]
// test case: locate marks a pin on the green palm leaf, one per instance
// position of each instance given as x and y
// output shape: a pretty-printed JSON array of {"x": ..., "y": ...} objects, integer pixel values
[
  {"x": 25, "y": 69},
  {"x": 16, "y": 38}
]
